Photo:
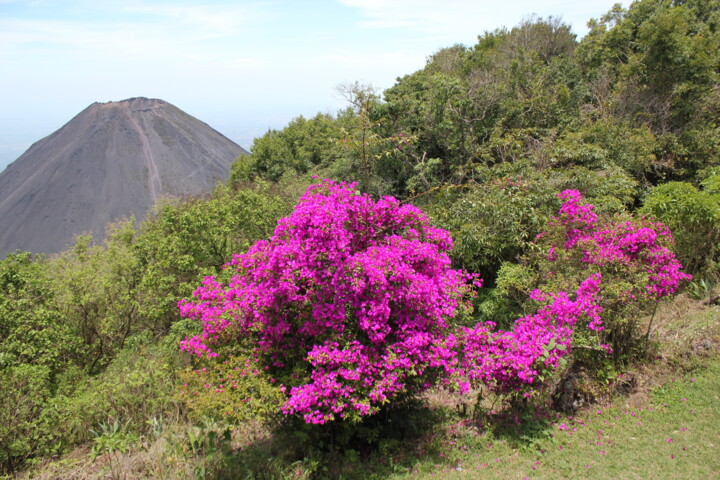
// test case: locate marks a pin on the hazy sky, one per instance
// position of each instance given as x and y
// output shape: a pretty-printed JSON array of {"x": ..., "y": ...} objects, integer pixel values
[{"x": 242, "y": 66}]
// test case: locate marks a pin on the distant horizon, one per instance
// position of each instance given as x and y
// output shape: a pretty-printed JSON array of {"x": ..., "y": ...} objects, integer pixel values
[{"x": 242, "y": 67}]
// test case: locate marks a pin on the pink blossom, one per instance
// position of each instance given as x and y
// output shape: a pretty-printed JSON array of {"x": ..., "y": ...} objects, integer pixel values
[{"x": 358, "y": 293}]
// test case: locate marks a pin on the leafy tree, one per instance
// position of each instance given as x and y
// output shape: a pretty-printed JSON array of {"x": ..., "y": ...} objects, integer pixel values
[
  {"x": 374, "y": 156},
  {"x": 33, "y": 330},
  {"x": 96, "y": 288},
  {"x": 303, "y": 146},
  {"x": 468, "y": 106},
  {"x": 654, "y": 64}
]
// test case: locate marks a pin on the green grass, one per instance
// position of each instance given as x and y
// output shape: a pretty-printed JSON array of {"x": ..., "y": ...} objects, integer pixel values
[
  {"x": 677, "y": 398},
  {"x": 676, "y": 435},
  {"x": 614, "y": 442}
]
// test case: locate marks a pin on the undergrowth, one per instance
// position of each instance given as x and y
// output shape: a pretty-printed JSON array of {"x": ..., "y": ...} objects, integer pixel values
[{"x": 449, "y": 435}]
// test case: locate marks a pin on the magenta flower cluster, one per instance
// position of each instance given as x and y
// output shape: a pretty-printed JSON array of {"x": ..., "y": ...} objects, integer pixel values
[
  {"x": 358, "y": 292},
  {"x": 519, "y": 359},
  {"x": 622, "y": 244}
]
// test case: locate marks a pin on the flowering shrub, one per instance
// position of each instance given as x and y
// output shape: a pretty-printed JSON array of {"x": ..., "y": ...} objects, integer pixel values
[
  {"x": 348, "y": 303},
  {"x": 644, "y": 244},
  {"x": 619, "y": 266},
  {"x": 520, "y": 359},
  {"x": 638, "y": 268}
]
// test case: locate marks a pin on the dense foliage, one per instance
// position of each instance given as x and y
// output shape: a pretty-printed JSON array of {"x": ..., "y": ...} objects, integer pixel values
[
  {"x": 639, "y": 92},
  {"x": 91, "y": 335}
]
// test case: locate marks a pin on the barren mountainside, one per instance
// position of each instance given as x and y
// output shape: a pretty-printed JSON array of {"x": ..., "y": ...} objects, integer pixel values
[{"x": 109, "y": 162}]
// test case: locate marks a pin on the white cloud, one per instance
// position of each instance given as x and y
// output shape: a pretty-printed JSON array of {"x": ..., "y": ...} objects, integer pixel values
[
  {"x": 60, "y": 35},
  {"x": 204, "y": 20},
  {"x": 133, "y": 29},
  {"x": 460, "y": 18}
]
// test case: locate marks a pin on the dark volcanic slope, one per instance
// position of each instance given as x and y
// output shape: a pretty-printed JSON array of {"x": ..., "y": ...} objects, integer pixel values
[{"x": 111, "y": 161}]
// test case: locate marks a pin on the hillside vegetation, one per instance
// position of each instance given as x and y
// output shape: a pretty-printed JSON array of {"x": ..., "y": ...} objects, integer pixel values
[{"x": 337, "y": 328}]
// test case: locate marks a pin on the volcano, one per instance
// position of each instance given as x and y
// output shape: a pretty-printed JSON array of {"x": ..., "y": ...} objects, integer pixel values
[{"x": 111, "y": 161}]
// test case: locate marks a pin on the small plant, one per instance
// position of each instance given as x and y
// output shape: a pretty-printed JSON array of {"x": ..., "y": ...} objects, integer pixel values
[
  {"x": 209, "y": 446},
  {"x": 111, "y": 438},
  {"x": 700, "y": 289},
  {"x": 157, "y": 427},
  {"x": 114, "y": 440}
]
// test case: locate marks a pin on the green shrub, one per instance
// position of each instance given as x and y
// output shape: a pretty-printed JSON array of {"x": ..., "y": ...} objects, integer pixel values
[
  {"x": 26, "y": 429},
  {"x": 96, "y": 288},
  {"x": 693, "y": 216},
  {"x": 182, "y": 242},
  {"x": 606, "y": 143},
  {"x": 139, "y": 384},
  {"x": 507, "y": 301},
  {"x": 32, "y": 329},
  {"x": 233, "y": 391},
  {"x": 493, "y": 222},
  {"x": 497, "y": 220}
]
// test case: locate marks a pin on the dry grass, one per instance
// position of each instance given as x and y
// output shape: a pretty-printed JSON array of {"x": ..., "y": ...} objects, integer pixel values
[
  {"x": 148, "y": 462},
  {"x": 684, "y": 334},
  {"x": 674, "y": 333}
]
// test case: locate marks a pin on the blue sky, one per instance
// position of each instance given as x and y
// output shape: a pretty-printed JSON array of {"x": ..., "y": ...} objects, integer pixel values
[{"x": 241, "y": 66}]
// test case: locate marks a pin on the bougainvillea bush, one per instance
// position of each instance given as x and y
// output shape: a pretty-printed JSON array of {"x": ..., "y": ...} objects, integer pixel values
[
  {"x": 520, "y": 360},
  {"x": 349, "y": 304},
  {"x": 353, "y": 304},
  {"x": 633, "y": 255}
]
